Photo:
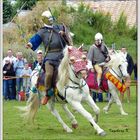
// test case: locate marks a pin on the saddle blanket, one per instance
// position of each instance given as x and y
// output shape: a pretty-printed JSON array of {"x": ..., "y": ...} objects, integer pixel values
[
  {"x": 92, "y": 81},
  {"x": 119, "y": 85}
]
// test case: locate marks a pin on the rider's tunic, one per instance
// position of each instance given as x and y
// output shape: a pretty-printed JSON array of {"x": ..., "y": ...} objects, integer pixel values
[
  {"x": 97, "y": 55},
  {"x": 56, "y": 45}
]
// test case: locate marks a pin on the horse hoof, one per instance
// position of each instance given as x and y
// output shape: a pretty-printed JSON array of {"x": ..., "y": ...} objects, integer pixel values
[
  {"x": 68, "y": 130},
  {"x": 102, "y": 133},
  {"x": 125, "y": 114},
  {"x": 105, "y": 110},
  {"x": 74, "y": 126}
]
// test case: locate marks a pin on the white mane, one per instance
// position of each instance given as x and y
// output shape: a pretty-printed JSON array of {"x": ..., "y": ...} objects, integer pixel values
[{"x": 63, "y": 70}]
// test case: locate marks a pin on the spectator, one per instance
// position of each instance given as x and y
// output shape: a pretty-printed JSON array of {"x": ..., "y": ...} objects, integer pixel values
[
  {"x": 135, "y": 71},
  {"x": 39, "y": 59},
  {"x": 8, "y": 71},
  {"x": 12, "y": 81},
  {"x": 25, "y": 73},
  {"x": 18, "y": 67},
  {"x": 10, "y": 56},
  {"x": 130, "y": 68},
  {"x": 97, "y": 97},
  {"x": 108, "y": 96}
]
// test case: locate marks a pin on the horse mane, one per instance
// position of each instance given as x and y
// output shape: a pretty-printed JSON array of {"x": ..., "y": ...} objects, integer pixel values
[
  {"x": 117, "y": 58},
  {"x": 63, "y": 70}
]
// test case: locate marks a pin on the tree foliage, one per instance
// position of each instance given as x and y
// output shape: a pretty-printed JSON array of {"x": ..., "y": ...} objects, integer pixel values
[
  {"x": 7, "y": 11},
  {"x": 28, "y": 6}
]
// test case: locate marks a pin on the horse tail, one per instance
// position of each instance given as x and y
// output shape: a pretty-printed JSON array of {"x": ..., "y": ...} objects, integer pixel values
[{"x": 30, "y": 110}]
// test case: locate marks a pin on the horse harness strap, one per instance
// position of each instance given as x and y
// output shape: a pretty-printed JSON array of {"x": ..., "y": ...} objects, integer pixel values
[
  {"x": 61, "y": 97},
  {"x": 76, "y": 84},
  {"x": 115, "y": 73}
]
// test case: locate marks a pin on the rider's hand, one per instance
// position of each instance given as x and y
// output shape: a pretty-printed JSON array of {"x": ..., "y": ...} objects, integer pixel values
[
  {"x": 28, "y": 46},
  {"x": 61, "y": 33},
  {"x": 107, "y": 59}
]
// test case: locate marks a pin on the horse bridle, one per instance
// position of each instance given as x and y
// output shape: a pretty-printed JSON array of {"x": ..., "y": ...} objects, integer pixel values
[
  {"x": 74, "y": 81},
  {"x": 117, "y": 73}
]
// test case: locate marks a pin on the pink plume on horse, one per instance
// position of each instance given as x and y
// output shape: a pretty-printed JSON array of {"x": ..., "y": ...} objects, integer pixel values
[
  {"x": 80, "y": 65},
  {"x": 74, "y": 52}
]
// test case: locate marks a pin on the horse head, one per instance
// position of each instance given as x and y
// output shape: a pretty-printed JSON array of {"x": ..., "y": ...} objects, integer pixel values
[
  {"x": 73, "y": 65},
  {"x": 77, "y": 60},
  {"x": 119, "y": 64}
]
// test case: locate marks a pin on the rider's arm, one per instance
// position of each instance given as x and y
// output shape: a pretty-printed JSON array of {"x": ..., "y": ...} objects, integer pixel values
[
  {"x": 90, "y": 55},
  {"x": 34, "y": 42}
]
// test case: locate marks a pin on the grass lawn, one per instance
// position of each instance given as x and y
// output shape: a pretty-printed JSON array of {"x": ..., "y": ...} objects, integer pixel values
[{"x": 46, "y": 127}]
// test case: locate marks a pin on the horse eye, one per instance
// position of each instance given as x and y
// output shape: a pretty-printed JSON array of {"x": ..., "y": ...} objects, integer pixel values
[
  {"x": 84, "y": 57},
  {"x": 72, "y": 59}
]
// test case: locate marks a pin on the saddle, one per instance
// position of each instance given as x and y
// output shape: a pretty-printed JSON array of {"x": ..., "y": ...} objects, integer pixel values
[
  {"x": 51, "y": 92},
  {"x": 106, "y": 75},
  {"x": 92, "y": 81}
]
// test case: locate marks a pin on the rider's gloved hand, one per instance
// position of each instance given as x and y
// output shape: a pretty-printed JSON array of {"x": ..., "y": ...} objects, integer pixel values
[
  {"x": 107, "y": 59},
  {"x": 29, "y": 45}
]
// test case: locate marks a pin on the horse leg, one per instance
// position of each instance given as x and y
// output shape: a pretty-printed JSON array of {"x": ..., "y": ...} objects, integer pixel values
[
  {"x": 70, "y": 116},
  {"x": 51, "y": 107},
  {"x": 118, "y": 102},
  {"x": 92, "y": 104},
  {"x": 106, "y": 108},
  {"x": 88, "y": 116}
]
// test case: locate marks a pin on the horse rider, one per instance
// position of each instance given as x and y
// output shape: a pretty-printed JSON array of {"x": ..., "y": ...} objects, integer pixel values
[
  {"x": 54, "y": 37},
  {"x": 98, "y": 55}
]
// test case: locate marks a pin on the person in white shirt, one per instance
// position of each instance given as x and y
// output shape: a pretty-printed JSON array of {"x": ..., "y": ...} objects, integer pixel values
[{"x": 9, "y": 56}]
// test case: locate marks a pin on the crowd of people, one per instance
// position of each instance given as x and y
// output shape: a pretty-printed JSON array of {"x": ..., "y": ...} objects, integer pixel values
[
  {"x": 16, "y": 74},
  {"x": 16, "y": 70}
]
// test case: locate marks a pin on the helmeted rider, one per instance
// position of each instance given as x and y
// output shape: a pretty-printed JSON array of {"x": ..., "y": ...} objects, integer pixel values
[
  {"x": 98, "y": 55},
  {"x": 54, "y": 38}
]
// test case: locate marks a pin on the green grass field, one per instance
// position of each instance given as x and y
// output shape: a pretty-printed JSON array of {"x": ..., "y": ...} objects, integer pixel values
[{"x": 46, "y": 127}]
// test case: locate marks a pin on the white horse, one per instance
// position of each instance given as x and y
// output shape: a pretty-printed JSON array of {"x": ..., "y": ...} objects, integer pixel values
[
  {"x": 117, "y": 66},
  {"x": 71, "y": 86}
]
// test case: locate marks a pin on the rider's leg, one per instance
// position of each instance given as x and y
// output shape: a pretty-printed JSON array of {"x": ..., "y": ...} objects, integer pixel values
[
  {"x": 48, "y": 81},
  {"x": 99, "y": 73}
]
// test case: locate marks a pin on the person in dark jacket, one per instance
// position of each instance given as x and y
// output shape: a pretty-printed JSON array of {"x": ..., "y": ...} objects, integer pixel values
[
  {"x": 130, "y": 68},
  {"x": 135, "y": 71},
  {"x": 54, "y": 38},
  {"x": 8, "y": 73}
]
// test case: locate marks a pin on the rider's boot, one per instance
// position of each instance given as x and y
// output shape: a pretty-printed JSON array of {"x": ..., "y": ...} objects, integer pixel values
[{"x": 45, "y": 99}]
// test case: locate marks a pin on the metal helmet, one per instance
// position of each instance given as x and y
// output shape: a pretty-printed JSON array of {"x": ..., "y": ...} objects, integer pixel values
[
  {"x": 47, "y": 18},
  {"x": 98, "y": 38}
]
